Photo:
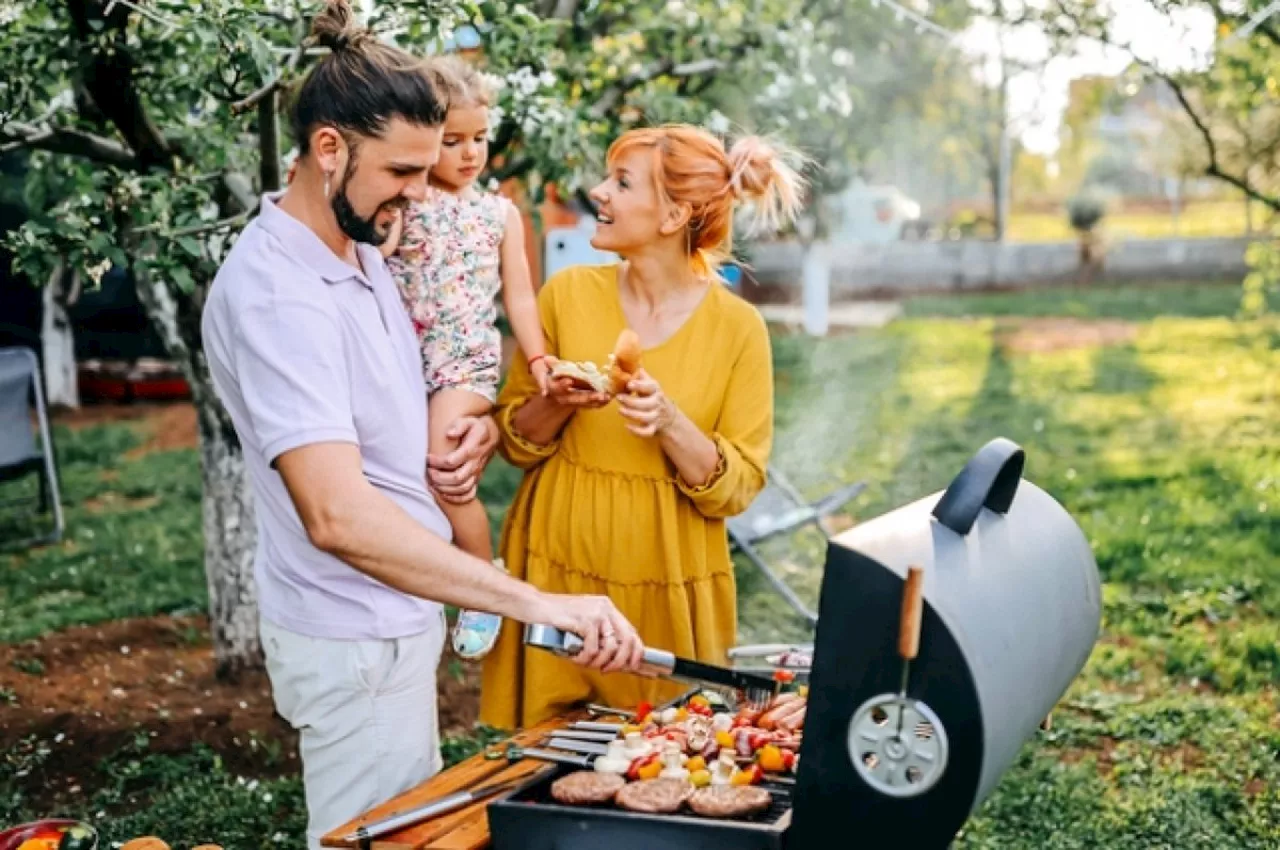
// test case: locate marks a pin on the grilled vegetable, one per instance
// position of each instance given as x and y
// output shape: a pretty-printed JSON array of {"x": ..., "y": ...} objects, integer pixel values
[{"x": 771, "y": 759}]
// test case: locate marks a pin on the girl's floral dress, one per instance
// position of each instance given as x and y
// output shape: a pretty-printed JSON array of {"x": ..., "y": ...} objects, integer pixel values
[{"x": 448, "y": 270}]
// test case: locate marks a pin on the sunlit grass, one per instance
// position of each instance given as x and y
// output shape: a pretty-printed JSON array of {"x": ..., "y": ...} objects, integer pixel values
[{"x": 1162, "y": 444}]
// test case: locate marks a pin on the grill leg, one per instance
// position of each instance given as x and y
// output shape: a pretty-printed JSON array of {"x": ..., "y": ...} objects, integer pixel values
[{"x": 43, "y": 503}]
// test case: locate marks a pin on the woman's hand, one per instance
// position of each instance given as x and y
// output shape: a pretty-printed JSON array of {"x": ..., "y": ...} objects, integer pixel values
[
  {"x": 564, "y": 392},
  {"x": 646, "y": 407}
]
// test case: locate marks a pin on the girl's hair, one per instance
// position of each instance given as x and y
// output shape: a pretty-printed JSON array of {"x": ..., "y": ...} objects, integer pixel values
[
  {"x": 362, "y": 84},
  {"x": 465, "y": 86},
  {"x": 691, "y": 166}
]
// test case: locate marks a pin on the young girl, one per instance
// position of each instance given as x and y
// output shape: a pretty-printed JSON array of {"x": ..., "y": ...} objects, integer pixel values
[{"x": 456, "y": 251}]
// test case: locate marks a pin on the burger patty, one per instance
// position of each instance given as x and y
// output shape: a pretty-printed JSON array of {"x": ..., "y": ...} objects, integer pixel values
[
  {"x": 730, "y": 801},
  {"x": 586, "y": 786},
  {"x": 655, "y": 796}
]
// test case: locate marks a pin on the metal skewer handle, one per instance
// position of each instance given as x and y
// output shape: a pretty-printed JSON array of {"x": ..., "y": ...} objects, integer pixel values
[
  {"x": 909, "y": 627},
  {"x": 897, "y": 744}
]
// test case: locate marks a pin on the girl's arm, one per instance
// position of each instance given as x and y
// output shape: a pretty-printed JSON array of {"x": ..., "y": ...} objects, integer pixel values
[
  {"x": 388, "y": 247},
  {"x": 519, "y": 299}
]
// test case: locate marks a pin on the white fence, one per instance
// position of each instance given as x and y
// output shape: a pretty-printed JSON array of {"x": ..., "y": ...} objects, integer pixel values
[{"x": 867, "y": 269}]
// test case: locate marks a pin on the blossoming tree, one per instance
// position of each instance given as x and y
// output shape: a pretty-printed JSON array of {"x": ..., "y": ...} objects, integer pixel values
[{"x": 152, "y": 126}]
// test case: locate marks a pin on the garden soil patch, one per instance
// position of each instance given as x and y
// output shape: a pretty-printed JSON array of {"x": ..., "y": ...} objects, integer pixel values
[
  {"x": 1026, "y": 336},
  {"x": 165, "y": 426},
  {"x": 87, "y": 692}
]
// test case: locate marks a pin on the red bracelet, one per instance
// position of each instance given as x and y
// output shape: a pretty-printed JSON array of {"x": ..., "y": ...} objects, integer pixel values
[{"x": 533, "y": 360}]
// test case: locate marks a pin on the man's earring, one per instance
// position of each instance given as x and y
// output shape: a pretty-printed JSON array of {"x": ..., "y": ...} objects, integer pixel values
[{"x": 327, "y": 175}]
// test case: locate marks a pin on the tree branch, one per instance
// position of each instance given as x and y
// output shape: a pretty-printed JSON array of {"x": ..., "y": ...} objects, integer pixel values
[
  {"x": 211, "y": 227},
  {"x": 109, "y": 79},
  {"x": 1214, "y": 168},
  {"x": 276, "y": 82},
  {"x": 1264, "y": 27},
  {"x": 71, "y": 143}
]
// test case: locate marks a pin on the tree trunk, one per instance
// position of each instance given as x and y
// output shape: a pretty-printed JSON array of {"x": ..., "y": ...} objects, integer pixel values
[
  {"x": 57, "y": 342},
  {"x": 230, "y": 533},
  {"x": 230, "y": 538}
]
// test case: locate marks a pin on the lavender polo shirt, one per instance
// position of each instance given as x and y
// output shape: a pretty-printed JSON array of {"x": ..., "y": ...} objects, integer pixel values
[{"x": 303, "y": 349}]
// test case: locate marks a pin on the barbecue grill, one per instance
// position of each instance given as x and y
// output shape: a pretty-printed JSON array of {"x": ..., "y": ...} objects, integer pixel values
[{"x": 1005, "y": 591}]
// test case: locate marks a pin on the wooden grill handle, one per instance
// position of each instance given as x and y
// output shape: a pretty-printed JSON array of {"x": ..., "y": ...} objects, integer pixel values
[{"x": 912, "y": 614}]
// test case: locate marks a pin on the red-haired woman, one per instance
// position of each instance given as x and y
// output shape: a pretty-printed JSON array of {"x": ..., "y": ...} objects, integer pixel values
[{"x": 628, "y": 497}]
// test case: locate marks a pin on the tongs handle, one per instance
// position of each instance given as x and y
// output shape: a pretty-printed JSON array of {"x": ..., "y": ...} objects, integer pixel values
[{"x": 567, "y": 644}]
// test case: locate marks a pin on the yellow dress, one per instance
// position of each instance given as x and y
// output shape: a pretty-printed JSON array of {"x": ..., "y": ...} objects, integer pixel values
[{"x": 602, "y": 511}]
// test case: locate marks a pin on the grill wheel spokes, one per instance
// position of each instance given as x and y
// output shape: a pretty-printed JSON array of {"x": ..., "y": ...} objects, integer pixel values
[{"x": 897, "y": 765}]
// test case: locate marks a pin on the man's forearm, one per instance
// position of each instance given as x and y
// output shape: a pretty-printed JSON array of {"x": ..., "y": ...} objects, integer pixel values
[{"x": 373, "y": 534}]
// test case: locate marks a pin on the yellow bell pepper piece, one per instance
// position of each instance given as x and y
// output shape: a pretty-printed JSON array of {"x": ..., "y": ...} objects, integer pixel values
[
  {"x": 700, "y": 778},
  {"x": 724, "y": 739},
  {"x": 651, "y": 770},
  {"x": 770, "y": 759},
  {"x": 695, "y": 764}
]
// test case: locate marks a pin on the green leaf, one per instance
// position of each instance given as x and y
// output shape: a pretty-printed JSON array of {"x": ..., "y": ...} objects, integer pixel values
[
  {"x": 182, "y": 279},
  {"x": 191, "y": 245}
]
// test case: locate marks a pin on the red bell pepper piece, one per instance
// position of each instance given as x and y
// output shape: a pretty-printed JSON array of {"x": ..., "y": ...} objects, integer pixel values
[{"x": 633, "y": 772}]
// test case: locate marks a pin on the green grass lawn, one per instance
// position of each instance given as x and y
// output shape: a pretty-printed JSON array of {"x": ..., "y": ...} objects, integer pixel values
[
  {"x": 1163, "y": 445},
  {"x": 1130, "y": 303}
]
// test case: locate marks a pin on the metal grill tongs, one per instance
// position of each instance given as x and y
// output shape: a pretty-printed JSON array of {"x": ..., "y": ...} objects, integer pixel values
[{"x": 753, "y": 688}]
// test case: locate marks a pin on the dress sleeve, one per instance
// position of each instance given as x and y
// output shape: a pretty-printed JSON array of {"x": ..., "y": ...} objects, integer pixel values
[
  {"x": 520, "y": 387},
  {"x": 743, "y": 432}
]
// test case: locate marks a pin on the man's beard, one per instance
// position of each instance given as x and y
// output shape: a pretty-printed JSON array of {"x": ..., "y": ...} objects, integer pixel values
[{"x": 356, "y": 228}]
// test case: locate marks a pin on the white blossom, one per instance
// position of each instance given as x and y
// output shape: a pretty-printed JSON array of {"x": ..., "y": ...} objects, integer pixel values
[
  {"x": 496, "y": 115},
  {"x": 842, "y": 58}
]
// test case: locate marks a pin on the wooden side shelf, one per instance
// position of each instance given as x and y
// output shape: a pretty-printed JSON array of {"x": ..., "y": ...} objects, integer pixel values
[{"x": 465, "y": 829}]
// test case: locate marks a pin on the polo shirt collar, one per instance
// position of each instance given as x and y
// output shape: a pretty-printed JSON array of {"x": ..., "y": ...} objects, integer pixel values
[{"x": 302, "y": 243}]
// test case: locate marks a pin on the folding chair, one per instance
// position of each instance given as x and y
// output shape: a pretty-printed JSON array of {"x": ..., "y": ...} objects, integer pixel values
[
  {"x": 780, "y": 509},
  {"x": 19, "y": 456}
]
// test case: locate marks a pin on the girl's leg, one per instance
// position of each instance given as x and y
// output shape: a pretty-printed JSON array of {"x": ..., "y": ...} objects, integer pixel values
[{"x": 470, "y": 522}]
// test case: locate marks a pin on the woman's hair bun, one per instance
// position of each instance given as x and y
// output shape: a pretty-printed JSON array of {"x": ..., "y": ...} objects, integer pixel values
[{"x": 762, "y": 173}]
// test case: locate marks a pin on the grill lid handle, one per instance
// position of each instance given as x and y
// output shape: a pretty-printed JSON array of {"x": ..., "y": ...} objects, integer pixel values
[{"x": 990, "y": 479}]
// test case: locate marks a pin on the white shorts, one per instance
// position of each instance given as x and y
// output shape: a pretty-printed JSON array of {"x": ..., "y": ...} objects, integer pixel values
[{"x": 366, "y": 714}]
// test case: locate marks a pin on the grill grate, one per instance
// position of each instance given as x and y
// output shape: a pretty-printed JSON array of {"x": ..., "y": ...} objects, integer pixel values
[{"x": 540, "y": 795}]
